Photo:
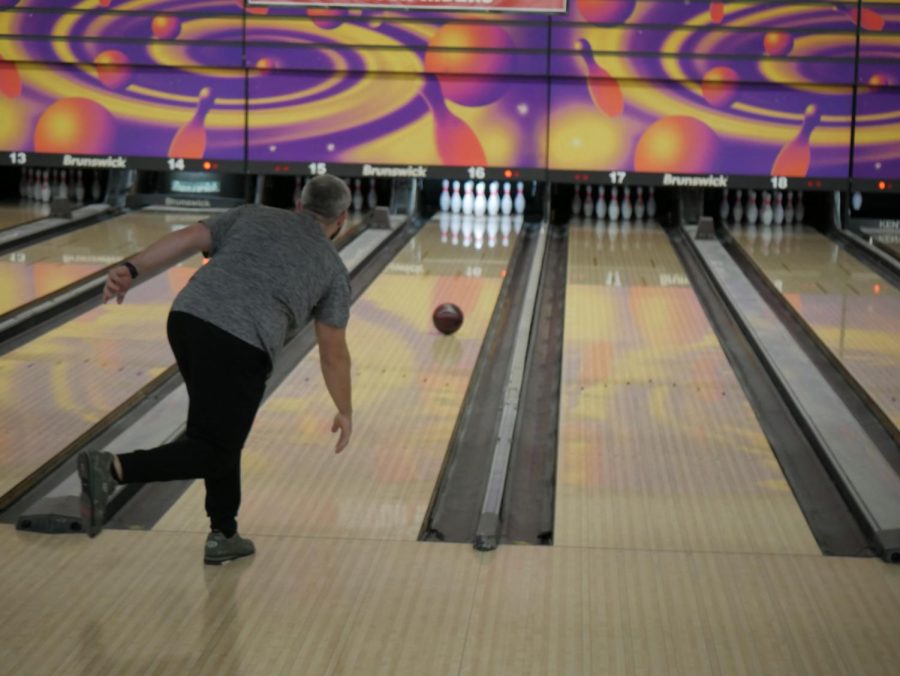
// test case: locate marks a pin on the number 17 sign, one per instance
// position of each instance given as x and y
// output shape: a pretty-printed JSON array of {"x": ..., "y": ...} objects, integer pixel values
[{"x": 546, "y": 6}]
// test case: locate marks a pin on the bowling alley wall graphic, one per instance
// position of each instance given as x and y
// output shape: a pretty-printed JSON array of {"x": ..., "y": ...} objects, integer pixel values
[{"x": 742, "y": 88}]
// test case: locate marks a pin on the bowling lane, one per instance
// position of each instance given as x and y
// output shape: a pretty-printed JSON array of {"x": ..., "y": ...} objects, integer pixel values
[
  {"x": 55, "y": 387},
  {"x": 12, "y": 215},
  {"x": 408, "y": 386},
  {"x": 659, "y": 448},
  {"x": 42, "y": 268},
  {"x": 851, "y": 308}
]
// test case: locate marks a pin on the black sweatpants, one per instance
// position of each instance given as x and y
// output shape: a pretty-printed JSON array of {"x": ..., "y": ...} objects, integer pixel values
[{"x": 225, "y": 379}]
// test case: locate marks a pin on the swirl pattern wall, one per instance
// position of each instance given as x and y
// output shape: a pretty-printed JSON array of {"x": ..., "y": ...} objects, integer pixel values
[{"x": 806, "y": 89}]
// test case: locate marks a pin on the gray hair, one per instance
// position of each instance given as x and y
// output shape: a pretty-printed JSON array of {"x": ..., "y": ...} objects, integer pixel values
[{"x": 326, "y": 197}]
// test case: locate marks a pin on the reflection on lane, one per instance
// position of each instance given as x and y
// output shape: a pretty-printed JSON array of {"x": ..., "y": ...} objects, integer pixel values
[
  {"x": 408, "y": 385},
  {"x": 12, "y": 215},
  {"x": 659, "y": 448},
  {"x": 852, "y": 309},
  {"x": 45, "y": 267}
]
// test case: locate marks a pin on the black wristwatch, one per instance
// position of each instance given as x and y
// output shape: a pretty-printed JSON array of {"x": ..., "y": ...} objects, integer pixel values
[{"x": 131, "y": 269}]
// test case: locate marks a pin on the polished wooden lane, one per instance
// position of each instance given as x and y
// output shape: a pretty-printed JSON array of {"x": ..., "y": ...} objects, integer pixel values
[
  {"x": 409, "y": 383},
  {"x": 39, "y": 269},
  {"x": 55, "y": 387},
  {"x": 852, "y": 309},
  {"x": 659, "y": 448},
  {"x": 12, "y": 215},
  {"x": 142, "y": 603}
]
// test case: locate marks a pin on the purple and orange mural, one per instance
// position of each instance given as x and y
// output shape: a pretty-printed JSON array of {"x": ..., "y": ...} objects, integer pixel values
[{"x": 743, "y": 88}]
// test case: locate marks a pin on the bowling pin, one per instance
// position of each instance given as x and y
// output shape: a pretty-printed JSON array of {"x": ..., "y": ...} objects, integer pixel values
[
  {"x": 627, "y": 209},
  {"x": 737, "y": 212},
  {"x": 778, "y": 215},
  {"x": 456, "y": 199},
  {"x": 789, "y": 208},
  {"x": 651, "y": 203},
  {"x": 493, "y": 202},
  {"x": 588, "y": 201},
  {"x": 468, "y": 202},
  {"x": 63, "y": 193},
  {"x": 793, "y": 158},
  {"x": 357, "y": 195},
  {"x": 506, "y": 203},
  {"x": 479, "y": 206},
  {"x": 752, "y": 207},
  {"x": 603, "y": 87},
  {"x": 601, "y": 203},
  {"x": 640, "y": 209},
  {"x": 190, "y": 140},
  {"x": 457, "y": 144},
  {"x": 576, "y": 201},
  {"x": 724, "y": 208},
  {"x": 519, "y": 203},
  {"x": 444, "y": 201},
  {"x": 612, "y": 212},
  {"x": 766, "y": 212},
  {"x": 372, "y": 197}
]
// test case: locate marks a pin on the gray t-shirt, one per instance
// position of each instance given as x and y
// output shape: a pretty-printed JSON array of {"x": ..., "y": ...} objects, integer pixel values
[{"x": 271, "y": 270}]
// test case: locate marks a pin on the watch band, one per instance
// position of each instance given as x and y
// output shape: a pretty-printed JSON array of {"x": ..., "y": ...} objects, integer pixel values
[{"x": 133, "y": 271}]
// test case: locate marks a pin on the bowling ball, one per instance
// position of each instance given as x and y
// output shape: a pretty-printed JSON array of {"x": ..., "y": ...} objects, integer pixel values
[{"x": 447, "y": 318}]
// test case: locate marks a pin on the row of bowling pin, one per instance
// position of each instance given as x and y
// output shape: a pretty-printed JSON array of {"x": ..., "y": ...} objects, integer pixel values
[
  {"x": 761, "y": 208},
  {"x": 36, "y": 185},
  {"x": 474, "y": 200},
  {"x": 358, "y": 201},
  {"x": 614, "y": 209},
  {"x": 470, "y": 230}
]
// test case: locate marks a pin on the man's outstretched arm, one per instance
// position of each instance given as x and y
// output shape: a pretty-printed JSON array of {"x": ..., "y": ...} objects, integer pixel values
[
  {"x": 335, "y": 358},
  {"x": 162, "y": 253}
]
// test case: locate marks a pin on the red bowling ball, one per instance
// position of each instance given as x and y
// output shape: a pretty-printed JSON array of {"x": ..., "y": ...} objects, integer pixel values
[{"x": 447, "y": 318}]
